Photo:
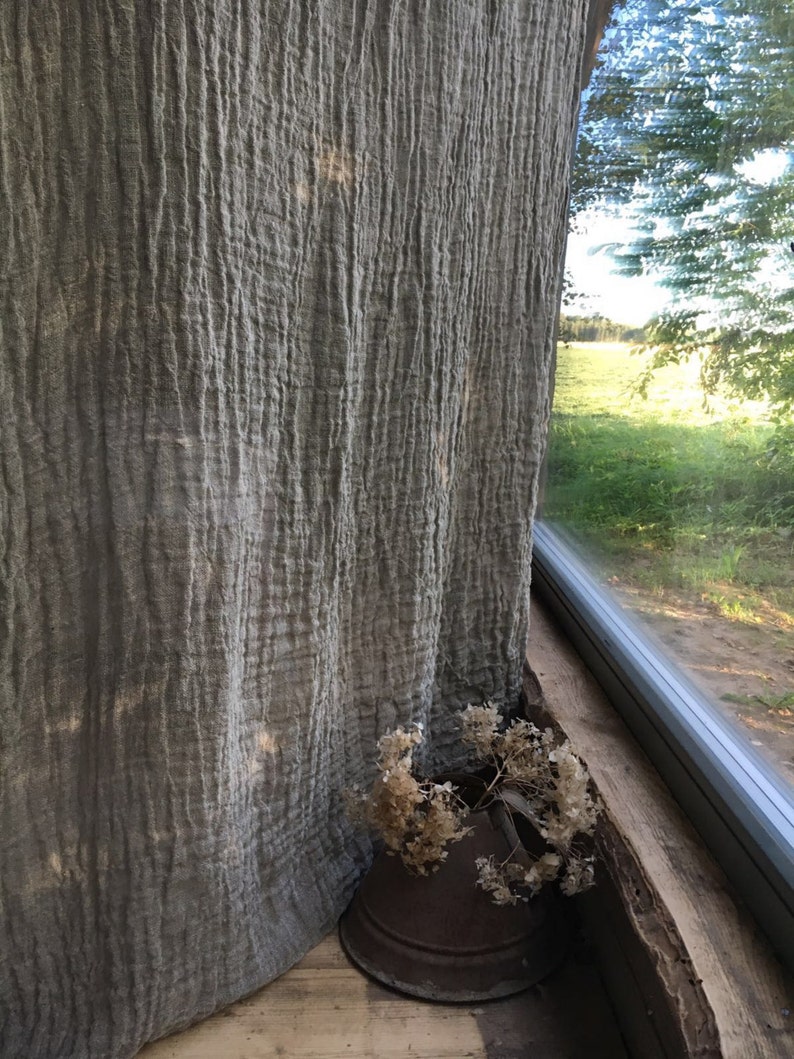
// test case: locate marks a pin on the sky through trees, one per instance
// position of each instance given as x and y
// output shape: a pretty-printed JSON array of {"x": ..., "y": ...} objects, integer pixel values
[{"x": 687, "y": 136}]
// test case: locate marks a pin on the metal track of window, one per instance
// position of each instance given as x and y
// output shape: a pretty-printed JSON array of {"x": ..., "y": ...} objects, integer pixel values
[{"x": 743, "y": 811}]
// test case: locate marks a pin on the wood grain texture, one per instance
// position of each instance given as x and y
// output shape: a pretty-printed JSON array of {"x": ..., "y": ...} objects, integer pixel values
[
  {"x": 325, "y": 1009},
  {"x": 712, "y": 963}
]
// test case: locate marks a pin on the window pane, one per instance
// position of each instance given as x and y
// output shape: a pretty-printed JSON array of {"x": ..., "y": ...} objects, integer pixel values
[{"x": 671, "y": 465}]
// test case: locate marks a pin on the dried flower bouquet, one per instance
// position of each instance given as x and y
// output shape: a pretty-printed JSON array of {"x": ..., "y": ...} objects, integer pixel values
[{"x": 523, "y": 774}]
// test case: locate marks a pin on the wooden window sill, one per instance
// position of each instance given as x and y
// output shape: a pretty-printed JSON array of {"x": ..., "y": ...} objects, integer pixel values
[
  {"x": 324, "y": 1008},
  {"x": 689, "y": 972}
]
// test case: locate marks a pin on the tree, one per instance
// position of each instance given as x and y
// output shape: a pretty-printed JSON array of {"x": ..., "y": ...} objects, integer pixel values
[
  {"x": 277, "y": 299},
  {"x": 689, "y": 129},
  {"x": 597, "y": 328}
]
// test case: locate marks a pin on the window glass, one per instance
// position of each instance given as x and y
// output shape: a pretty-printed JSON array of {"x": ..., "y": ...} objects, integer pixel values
[{"x": 671, "y": 457}]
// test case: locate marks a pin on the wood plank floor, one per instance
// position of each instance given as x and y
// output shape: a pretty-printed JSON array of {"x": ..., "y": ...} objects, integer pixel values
[{"x": 326, "y": 1009}]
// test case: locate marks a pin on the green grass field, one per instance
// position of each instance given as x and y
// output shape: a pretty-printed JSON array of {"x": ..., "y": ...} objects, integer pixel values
[{"x": 667, "y": 493}]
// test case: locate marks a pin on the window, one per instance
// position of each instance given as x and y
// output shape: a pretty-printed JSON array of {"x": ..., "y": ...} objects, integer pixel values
[{"x": 670, "y": 490}]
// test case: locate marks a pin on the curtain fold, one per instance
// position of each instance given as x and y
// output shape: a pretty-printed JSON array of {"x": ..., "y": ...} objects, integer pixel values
[{"x": 278, "y": 290}]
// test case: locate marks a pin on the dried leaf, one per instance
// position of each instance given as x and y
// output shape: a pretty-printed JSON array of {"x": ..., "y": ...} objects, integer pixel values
[{"x": 516, "y": 802}]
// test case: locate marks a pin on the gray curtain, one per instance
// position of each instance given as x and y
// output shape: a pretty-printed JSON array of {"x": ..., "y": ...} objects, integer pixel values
[{"x": 278, "y": 284}]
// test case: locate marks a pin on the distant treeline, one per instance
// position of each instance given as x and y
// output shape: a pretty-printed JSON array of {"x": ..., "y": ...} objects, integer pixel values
[{"x": 597, "y": 328}]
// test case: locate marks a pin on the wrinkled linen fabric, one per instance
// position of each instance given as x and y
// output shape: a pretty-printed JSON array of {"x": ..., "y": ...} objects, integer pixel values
[{"x": 278, "y": 291}]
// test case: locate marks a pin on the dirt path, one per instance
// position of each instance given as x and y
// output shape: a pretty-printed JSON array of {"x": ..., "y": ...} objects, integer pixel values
[{"x": 748, "y": 669}]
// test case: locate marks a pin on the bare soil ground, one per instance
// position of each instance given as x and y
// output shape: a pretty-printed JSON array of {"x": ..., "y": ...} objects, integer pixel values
[{"x": 746, "y": 668}]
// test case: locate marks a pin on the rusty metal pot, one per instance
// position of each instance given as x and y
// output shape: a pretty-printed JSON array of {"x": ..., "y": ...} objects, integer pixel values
[{"x": 441, "y": 937}]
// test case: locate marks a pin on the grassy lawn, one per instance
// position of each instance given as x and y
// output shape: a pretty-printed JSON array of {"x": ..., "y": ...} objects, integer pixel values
[{"x": 668, "y": 494}]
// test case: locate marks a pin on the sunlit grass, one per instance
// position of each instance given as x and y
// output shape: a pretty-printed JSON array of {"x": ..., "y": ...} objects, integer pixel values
[
  {"x": 599, "y": 378},
  {"x": 669, "y": 493}
]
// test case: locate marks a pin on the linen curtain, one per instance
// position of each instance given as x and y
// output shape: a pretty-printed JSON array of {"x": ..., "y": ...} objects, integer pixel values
[{"x": 278, "y": 285}]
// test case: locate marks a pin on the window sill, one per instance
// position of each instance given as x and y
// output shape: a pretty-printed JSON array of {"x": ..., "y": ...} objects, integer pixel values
[{"x": 688, "y": 969}]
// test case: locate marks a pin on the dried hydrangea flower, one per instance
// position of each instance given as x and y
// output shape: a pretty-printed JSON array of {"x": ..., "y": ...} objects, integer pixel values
[
  {"x": 545, "y": 783},
  {"x": 533, "y": 777},
  {"x": 416, "y": 818},
  {"x": 579, "y": 876},
  {"x": 480, "y": 727}
]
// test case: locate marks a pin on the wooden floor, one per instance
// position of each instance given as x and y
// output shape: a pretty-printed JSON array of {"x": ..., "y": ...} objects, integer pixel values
[{"x": 325, "y": 1009}]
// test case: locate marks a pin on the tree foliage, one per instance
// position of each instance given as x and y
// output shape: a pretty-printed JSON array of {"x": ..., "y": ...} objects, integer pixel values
[{"x": 689, "y": 128}]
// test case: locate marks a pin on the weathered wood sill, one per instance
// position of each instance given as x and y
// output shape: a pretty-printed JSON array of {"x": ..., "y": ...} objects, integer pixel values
[{"x": 688, "y": 970}]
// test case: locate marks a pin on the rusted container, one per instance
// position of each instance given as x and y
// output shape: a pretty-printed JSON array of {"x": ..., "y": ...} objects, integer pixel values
[{"x": 441, "y": 937}]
